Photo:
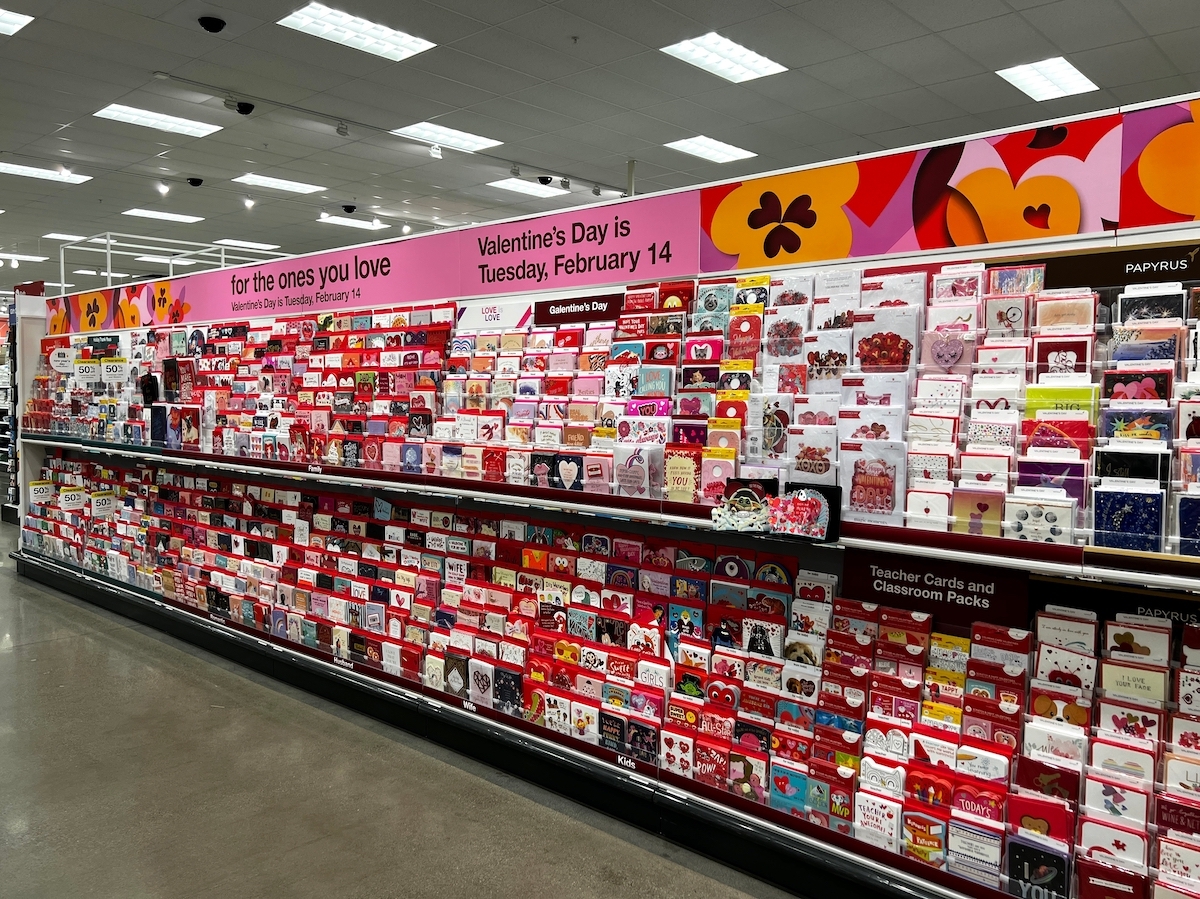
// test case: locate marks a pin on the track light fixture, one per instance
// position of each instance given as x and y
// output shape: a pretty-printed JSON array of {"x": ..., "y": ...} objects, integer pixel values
[
  {"x": 515, "y": 171},
  {"x": 595, "y": 190},
  {"x": 435, "y": 151},
  {"x": 343, "y": 129},
  {"x": 249, "y": 201}
]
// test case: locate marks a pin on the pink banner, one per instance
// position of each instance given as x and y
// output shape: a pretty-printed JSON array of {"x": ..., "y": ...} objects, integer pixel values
[{"x": 643, "y": 240}]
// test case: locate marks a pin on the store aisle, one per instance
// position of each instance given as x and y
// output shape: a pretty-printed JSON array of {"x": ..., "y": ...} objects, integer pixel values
[{"x": 133, "y": 765}]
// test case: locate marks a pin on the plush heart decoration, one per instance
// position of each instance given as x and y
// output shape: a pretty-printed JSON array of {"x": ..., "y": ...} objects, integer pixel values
[{"x": 947, "y": 351}]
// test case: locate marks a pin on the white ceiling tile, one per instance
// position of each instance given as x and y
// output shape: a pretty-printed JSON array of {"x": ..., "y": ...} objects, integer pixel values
[
  {"x": 806, "y": 130},
  {"x": 516, "y": 52},
  {"x": 788, "y": 39},
  {"x": 718, "y": 15},
  {"x": 850, "y": 146},
  {"x": 1180, "y": 48},
  {"x": 798, "y": 90},
  {"x": 607, "y": 133},
  {"x": 1002, "y": 42},
  {"x": 917, "y": 106},
  {"x": 1153, "y": 90},
  {"x": 579, "y": 38},
  {"x": 938, "y": 15},
  {"x": 537, "y": 119},
  {"x": 693, "y": 119},
  {"x": 558, "y": 98},
  {"x": 739, "y": 101},
  {"x": 899, "y": 137},
  {"x": 927, "y": 60},
  {"x": 980, "y": 93},
  {"x": 864, "y": 24},
  {"x": 405, "y": 79},
  {"x": 1162, "y": 16},
  {"x": 1075, "y": 25},
  {"x": 859, "y": 118},
  {"x": 615, "y": 87},
  {"x": 1126, "y": 63},
  {"x": 649, "y": 23},
  {"x": 490, "y": 11},
  {"x": 859, "y": 76},
  {"x": 472, "y": 70}
]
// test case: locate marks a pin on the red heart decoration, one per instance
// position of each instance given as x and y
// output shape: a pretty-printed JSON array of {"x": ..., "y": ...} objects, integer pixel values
[
  {"x": 1039, "y": 218},
  {"x": 982, "y": 507}
]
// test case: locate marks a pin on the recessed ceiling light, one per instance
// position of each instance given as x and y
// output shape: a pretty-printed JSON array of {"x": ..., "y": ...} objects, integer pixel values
[
  {"x": 1048, "y": 79},
  {"x": 439, "y": 135},
  {"x": 12, "y": 22},
  {"x": 28, "y": 171},
  {"x": 93, "y": 272},
  {"x": 528, "y": 187},
  {"x": 246, "y": 244},
  {"x": 164, "y": 260},
  {"x": 163, "y": 122},
  {"x": 297, "y": 187},
  {"x": 352, "y": 31},
  {"x": 164, "y": 216},
  {"x": 374, "y": 225},
  {"x": 55, "y": 235},
  {"x": 19, "y": 257},
  {"x": 721, "y": 56},
  {"x": 712, "y": 150}
]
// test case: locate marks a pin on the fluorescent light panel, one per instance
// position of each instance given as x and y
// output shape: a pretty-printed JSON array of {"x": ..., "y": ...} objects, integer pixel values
[
  {"x": 522, "y": 186},
  {"x": 164, "y": 216},
  {"x": 55, "y": 235},
  {"x": 158, "y": 120},
  {"x": 246, "y": 244},
  {"x": 94, "y": 273},
  {"x": 297, "y": 187},
  {"x": 352, "y": 31},
  {"x": 164, "y": 260},
  {"x": 353, "y": 223},
  {"x": 28, "y": 171},
  {"x": 1048, "y": 80},
  {"x": 429, "y": 133},
  {"x": 712, "y": 150},
  {"x": 721, "y": 56},
  {"x": 56, "y": 284},
  {"x": 23, "y": 258},
  {"x": 12, "y": 22}
]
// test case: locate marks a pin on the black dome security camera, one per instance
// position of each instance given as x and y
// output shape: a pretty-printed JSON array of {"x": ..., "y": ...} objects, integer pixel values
[
  {"x": 212, "y": 24},
  {"x": 195, "y": 182},
  {"x": 544, "y": 179},
  {"x": 245, "y": 108},
  {"x": 349, "y": 208}
]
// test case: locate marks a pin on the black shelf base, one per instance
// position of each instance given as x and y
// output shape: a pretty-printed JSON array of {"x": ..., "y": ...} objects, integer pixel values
[{"x": 761, "y": 850}]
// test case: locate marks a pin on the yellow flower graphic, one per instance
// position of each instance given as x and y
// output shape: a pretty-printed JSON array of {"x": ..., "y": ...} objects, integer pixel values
[
  {"x": 1168, "y": 169},
  {"x": 160, "y": 301},
  {"x": 795, "y": 217}
]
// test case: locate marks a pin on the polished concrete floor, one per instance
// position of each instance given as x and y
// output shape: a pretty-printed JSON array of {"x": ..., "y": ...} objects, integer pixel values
[{"x": 133, "y": 765}]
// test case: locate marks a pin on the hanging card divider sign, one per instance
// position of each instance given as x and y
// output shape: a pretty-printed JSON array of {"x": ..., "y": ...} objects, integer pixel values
[
  {"x": 103, "y": 504},
  {"x": 72, "y": 499},
  {"x": 114, "y": 370},
  {"x": 578, "y": 310},
  {"x": 955, "y": 593},
  {"x": 40, "y": 492}
]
